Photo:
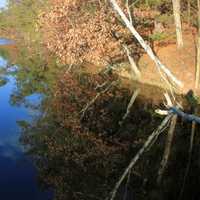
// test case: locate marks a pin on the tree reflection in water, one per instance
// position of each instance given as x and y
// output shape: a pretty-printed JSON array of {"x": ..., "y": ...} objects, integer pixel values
[{"x": 82, "y": 158}]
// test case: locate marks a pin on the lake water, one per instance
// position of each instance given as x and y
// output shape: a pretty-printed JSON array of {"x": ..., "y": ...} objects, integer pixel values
[
  {"x": 4, "y": 41},
  {"x": 39, "y": 123},
  {"x": 18, "y": 175}
]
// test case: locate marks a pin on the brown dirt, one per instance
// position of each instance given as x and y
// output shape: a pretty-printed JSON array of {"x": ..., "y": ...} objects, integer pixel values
[{"x": 180, "y": 61}]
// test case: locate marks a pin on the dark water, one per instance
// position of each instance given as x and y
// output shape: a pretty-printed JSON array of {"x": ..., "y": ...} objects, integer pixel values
[{"x": 18, "y": 177}]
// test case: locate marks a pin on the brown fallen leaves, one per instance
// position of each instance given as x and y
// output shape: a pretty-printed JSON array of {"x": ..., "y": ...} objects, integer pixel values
[{"x": 78, "y": 31}]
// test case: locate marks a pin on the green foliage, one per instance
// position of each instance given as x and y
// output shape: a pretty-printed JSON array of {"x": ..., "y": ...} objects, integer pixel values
[
  {"x": 21, "y": 18},
  {"x": 158, "y": 36},
  {"x": 3, "y": 81},
  {"x": 35, "y": 72},
  {"x": 4, "y": 54},
  {"x": 166, "y": 19}
]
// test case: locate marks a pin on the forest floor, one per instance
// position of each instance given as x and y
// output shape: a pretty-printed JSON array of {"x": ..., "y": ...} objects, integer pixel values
[{"x": 181, "y": 62}]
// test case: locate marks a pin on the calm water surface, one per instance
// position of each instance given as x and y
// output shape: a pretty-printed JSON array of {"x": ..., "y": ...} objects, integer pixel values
[
  {"x": 4, "y": 41},
  {"x": 18, "y": 177}
]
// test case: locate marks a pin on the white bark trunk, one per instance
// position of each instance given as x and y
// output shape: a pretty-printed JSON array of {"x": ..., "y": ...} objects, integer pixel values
[
  {"x": 177, "y": 21},
  {"x": 146, "y": 47},
  {"x": 198, "y": 49},
  {"x": 189, "y": 11}
]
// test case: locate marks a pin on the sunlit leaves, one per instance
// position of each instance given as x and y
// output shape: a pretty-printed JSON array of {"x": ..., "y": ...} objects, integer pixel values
[{"x": 78, "y": 31}]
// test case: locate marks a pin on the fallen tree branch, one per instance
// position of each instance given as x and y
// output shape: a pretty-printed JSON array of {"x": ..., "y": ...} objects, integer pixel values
[
  {"x": 144, "y": 45},
  {"x": 167, "y": 151},
  {"x": 140, "y": 152}
]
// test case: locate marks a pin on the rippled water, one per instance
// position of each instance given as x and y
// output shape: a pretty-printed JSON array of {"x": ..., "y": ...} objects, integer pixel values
[{"x": 18, "y": 177}]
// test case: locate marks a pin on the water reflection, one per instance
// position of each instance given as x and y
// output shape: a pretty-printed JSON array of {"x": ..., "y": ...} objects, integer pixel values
[
  {"x": 80, "y": 158},
  {"x": 18, "y": 175},
  {"x": 4, "y": 41}
]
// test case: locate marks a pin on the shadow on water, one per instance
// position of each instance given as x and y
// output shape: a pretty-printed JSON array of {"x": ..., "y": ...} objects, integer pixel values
[{"x": 82, "y": 158}]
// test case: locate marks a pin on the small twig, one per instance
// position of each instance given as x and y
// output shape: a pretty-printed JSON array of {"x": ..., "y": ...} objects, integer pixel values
[
  {"x": 138, "y": 155},
  {"x": 101, "y": 85},
  {"x": 70, "y": 67},
  {"x": 167, "y": 151},
  {"x": 134, "y": 96},
  {"x": 129, "y": 12},
  {"x": 133, "y": 4}
]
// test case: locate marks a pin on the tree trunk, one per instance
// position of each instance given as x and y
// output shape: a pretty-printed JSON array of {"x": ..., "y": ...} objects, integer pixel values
[
  {"x": 189, "y": 11},
  {"x": 177, "y": 20},
  {"x": 146, "y": 47},
  {"x": 198, "y": 48}
]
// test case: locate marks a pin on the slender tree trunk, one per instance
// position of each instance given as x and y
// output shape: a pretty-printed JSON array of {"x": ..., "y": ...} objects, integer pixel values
[
  {"x": 189, "y": 11},
  {"x": 149, "y": 51},
  {"x": 177, "y": 20},
  {"x": 198, "y": 48},
  {"x": 147, "y": 3}
]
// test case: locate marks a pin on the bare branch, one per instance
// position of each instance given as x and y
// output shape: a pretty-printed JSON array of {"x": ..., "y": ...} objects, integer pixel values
[{"x": 144, "y": 45}]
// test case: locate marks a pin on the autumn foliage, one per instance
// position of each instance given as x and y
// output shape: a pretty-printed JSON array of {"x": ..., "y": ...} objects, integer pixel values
[{"x": 81, "y": 31}]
